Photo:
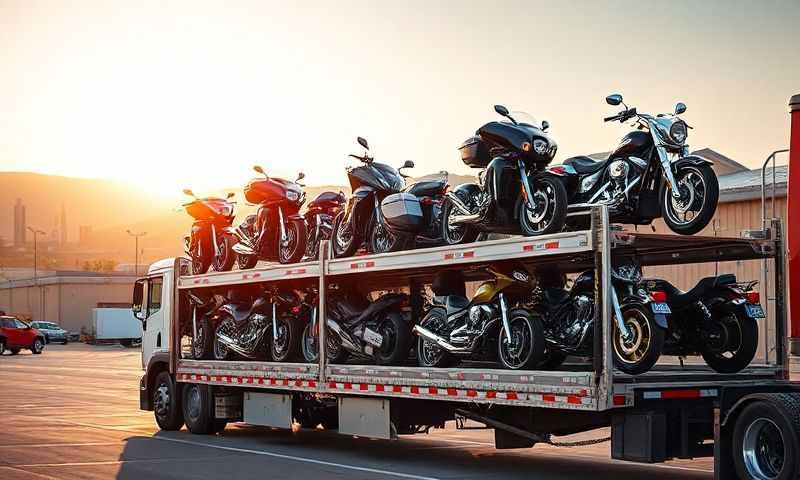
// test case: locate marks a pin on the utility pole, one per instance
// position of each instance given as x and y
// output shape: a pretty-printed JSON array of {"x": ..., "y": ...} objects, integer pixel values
[
  {"x": 36, "y": 233},
  {"x": 136, "y": 236}
]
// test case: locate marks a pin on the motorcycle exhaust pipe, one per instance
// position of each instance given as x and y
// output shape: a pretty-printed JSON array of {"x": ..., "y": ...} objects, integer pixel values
[
  {"x": 467, "y": 215},
  {"x": 433, "y": 338},
  {"x": 344, "y": 336},
  {"x": 231, "y": 344},
  {"x": 243, "y": 249}
]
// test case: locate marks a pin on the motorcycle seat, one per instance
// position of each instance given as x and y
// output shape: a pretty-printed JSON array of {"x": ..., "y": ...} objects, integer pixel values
[
  {"x": 451, "y": 303},
  {"x": 583, "y": 164},
  {"x": 555, "y": 296},
  {"x": 240, "y": 311},
  {"x": 676, "y": 298},
  {"x": 425, "y": 189}
]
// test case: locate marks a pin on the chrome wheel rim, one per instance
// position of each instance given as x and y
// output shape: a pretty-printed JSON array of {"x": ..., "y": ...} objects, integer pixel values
[
  {"x": 541, "y": 216},
  {"x": 220, "y": 349},
  {"x": 288, "y": 248},
  {"x": 310, "y": 349},
  {"x": 198, "y": 342},
  {"x": 455, "y": 233},
  {"x": 515, "y": 348},
  {"x": 633, "y": 349},
  {"x": 763, "y": 449},
  {"x": 384, "y": 240},
  {"x": 161, "y": 400},
  {"x": 343, "y": 237},
  {"x": 692, "y": 188},
  {"x": 281, "y": 344},
  {"x": 193, "y": 404}
]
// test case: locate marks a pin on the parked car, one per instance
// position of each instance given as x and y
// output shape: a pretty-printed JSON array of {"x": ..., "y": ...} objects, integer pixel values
[
  {"x": 52, "y": 332},
  {"x": 16, "y": 335}
]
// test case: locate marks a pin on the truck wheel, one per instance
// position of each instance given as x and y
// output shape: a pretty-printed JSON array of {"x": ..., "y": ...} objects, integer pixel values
[
  {"x": 765, "y": 439},
  {"x": 167, "y": 403},
  {"x": 197, "y": 409},
  {"x": 38, "y": 346}
]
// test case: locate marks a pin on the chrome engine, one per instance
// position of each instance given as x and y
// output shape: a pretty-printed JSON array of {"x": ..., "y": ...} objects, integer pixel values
[
  {"x": 572, "y": 323},
  {"x": 245, "y": 337}
]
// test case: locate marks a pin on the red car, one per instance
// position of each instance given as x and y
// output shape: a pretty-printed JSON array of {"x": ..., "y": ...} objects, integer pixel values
[{"x": 16, "y": 335}]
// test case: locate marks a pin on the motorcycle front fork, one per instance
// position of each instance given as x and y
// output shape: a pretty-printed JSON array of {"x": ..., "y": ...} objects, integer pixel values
[
  {"x": 526, "y": 185},
  {"x": 623, "y": 329},
  {"x": 504, "y": 315}
]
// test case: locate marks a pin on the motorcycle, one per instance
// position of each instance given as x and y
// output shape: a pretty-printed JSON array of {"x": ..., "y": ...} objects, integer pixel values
[
  {"x": 491, "y": 325},
  {"x": 515, "y": 193},
  {"x": 649, "y": 175},
  {"x": 209, "y": 244},
  {"x": 201, "y": 330},
  {"x": 639, "y": 318},
  {"x": 276, "y": 231},
  {"x": 717, "y": 319},
  {"x": 319, "y": 220},
  {"x": 377, "y": 330},
  {"x": 362, "y": 218}
]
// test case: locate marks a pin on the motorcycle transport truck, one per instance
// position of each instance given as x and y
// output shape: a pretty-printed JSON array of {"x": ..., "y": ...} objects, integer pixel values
[{"x": 670, "y": 411}]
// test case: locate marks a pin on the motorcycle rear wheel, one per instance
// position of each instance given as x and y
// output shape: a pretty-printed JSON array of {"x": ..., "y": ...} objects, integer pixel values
[
  {"x": 739, "y": 334},
  {"x": 396, "y": 340},
  {"x": 295, "y": 246},
  {"x": 202, "y": 342},
  {"x": 428, "y": 354},
  {"x": 382, "y": 240},
  {"x": 335, "y": 353},
  {"x": 456, "y": 234},
  {"x": 220, "y": 350}
]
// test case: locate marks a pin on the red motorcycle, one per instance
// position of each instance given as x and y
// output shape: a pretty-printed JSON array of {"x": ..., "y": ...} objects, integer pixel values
[
  {"x": 276, "y": 231},
  {"x": 319, "y": 220},
  {"x": 209, "y": 244}
]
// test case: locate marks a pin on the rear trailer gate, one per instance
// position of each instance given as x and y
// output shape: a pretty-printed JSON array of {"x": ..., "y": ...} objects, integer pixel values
[{"x": 592, "y": 387}]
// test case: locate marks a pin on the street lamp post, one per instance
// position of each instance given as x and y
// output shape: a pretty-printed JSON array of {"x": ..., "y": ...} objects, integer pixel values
[
  {"x": 36, "y": 233},
  {"x": 136, "y": 236}
]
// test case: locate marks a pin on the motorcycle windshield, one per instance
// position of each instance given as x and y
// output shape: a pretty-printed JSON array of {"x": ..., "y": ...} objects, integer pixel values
[
  {"x": 526, "y": 119},
  {"x": 390, "y": 177}
]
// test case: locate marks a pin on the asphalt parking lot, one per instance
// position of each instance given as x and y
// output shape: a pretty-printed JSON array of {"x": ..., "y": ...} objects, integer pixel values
[{"x": 73, "y": 412}]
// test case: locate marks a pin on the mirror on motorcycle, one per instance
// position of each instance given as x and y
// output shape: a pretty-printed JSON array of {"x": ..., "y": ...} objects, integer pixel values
[
  {"x": 230, "y": 195},
  {"x": 260, "y": 170},
  {"x": 501, "y": 110},
  {"x": 363, "y": 142},
  {"x": 680, "y": 107},
  {"x": 300, "y": 176},
  {"x": 187, "y": 191},
  {"x": 408, "y": 164},
  {"x": 545, "y": 125},
  {"x": 614, "y": 99}
]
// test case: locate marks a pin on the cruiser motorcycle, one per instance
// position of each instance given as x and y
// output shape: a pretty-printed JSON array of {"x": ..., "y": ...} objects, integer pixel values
[
  {"x": 276, "y": 231},
  {"x": 362, "y": 219},
  {"x": 377, "y": 330},
  {"x": 319, "y": 220},
  {"x": 492, "y": 325},
  {"x": 209, "y": 244},
  {"x": 717, "y": 318},
  {"x": 516, "y": 192},
  {"x": 639, "y": 318},
  {"x": 649, "y": 175}
]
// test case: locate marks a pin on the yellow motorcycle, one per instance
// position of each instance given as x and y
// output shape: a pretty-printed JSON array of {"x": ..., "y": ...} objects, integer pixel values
[{"x": 492, "y": 325}]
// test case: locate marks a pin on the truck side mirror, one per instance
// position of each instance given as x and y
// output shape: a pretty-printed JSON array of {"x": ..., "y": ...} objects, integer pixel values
[{"x": 138, "y": 300}]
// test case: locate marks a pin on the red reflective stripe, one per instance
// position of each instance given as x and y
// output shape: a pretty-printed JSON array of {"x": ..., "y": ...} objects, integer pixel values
[
  {"x": 414, "y": 389},
  {"x": 549, "y": 397},
  {"x": 619, "y": 400},
  {"x": 357, "y": 265},
  {"x": 472, "y": 393},
  {"x": 574, "y": 399},
  {"x": 363, "y": 386},
  {"x": 491, "y": 394},
  {"x": 397, "y": 389},
  {"x": 673, "y": 394},
  {"x": 378, "y": 388},
  {"x": 348, "y": 386},
  {"x": 551, "y": 245},
  {"x": 511, "y": 396},
  {"x": 332, "y": 385},
  {"x": 452, "y": 392},
  {"x": 433, "y": 390}
]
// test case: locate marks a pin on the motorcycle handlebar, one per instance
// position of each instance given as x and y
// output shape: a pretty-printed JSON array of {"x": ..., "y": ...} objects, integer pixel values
[{"x": 611, "y": 118}]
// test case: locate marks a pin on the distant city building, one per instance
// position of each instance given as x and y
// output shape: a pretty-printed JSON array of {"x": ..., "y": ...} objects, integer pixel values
[
  {"x": 84, "y": 234},
  {"x": 19, "y": 224},
  {"x": 62, "y": 226}
]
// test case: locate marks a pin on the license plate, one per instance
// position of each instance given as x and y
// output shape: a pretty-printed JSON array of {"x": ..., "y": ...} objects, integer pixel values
[
  {"x": 372, "y": 337},
  {"x": 754, "y": 311},
  {"x": 660, "y": 308}
]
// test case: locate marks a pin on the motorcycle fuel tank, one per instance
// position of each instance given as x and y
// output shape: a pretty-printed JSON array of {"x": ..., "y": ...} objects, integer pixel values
[{"x": 635, "y": 143}]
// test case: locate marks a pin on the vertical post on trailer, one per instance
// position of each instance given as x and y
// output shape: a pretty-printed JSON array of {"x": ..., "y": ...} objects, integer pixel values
[
  {"x": 603, "y": 330},
  {"x": 322, "y": 317},
  {"x": 781, "y": 343},
  {"x": 175, "y": 340},
  {"x": 793, "y": 221}
]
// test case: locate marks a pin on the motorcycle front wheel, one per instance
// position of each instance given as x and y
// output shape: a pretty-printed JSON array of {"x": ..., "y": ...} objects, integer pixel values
[
  {"x": 201, "y": 341},
  {"x": 201, "y": 257},
  {"x": 691, "y": 211},
  {"x": 642, "y": 349},
  {"x": 345, "y": 241},
  {"x": 295, "y": 245},
  {"x": 227, "y": 327},
  {"x": 285, "y": 346},
  {"x": 225, "y": 256},
  {"x": 549, "y": 212},
  {"x": 524, "y": 347},
  {"x": 733, "y": 339},
  {"x": 455, "y": 234}
]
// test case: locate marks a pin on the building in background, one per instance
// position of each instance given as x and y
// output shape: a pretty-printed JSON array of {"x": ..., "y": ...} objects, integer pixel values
[
  {"x": 84, "y": 235},
  {"x": 19, "y": 224},
  {"x": 62, "y": 226}
]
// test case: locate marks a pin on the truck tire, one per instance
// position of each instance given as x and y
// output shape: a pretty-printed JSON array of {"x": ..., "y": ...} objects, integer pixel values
[
  {"x": 765, "y": 444},
  {"x": 167, "y": 403},
  {"x": 197, "y": 411}
]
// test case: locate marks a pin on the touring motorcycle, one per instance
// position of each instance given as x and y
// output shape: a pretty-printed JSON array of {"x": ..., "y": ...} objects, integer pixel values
[
  {"x": 319, "y": 220},
  {"x": 516, "y": 193},
  {"x": 276, "y": 230},
  {"x": 491, "y": 325},
  {"x": 639, "y": 317},
  {"x": 377, "y": 330},
  {"x": 209, "y": 244},
  {"x": 362, "y": 220},
  {"x": 649, "y": 175},
  {"x": 717, "y": 319}
]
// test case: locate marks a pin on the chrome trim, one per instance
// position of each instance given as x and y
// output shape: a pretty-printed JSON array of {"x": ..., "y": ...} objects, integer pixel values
[
  {"x": 274, "y": 321},
  {"x": 282, "y": 227},
  {"x": 214, "y": 239},
  {"x": 623, "y": 329},
  {"x": 526, "y": 184},
  {"x": 504, "y": 314}
]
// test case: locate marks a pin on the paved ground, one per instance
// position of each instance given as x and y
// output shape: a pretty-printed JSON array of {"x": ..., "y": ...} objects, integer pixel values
[{"x": 73, "y": 413}]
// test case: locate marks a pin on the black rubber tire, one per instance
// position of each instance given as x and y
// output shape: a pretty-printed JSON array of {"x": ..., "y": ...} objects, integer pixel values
[
  {"x": 708, "y": 210},
  {"x": 2, "y": 346},
  {"x": 398, "y": 354},
  {"x": 309, "y": 353},
  {"x": 38, "y": 346},
  {"x": 246, "y": 262},
  {"x": 782, "y": 410},
  {"x": 216, "y": 353},
  {"x": 559, "y": 214},
  {"x": 434, "y": 316},
  {"x": 197, "y": 409},
  {"x": 14, "y": 350},
  {"x": 396, "y": 244},
  {"x": 294, "y": 329},
  {"x": 470, "y": 232},
  {"x": 171, "y": 418},
  {"x": 745, "y": 354},
  {"x": 219, "y": 425},
  {"x": 652, "y": 354},
  {"x": 537, "y": 343},
  {"x": 201, "y": 349},
  {"x": 201, "y": 263},
  {"x": 339, "y": 356},
  {"x": 224, "y": 263},
  {"x": 47, "y": 339},
  {"x": 337, "y": 250},
  {"x": 296, "y": 229},
  {"x": 553, "y": 359}
]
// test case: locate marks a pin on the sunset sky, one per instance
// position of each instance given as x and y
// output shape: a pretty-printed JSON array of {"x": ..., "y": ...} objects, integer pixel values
[{"x": 170, "y": 94}]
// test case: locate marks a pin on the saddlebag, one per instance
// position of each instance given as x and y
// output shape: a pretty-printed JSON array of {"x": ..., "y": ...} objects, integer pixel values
[
  {"x": 475, "y": 152},
  {"x": 402, "y": 212}
]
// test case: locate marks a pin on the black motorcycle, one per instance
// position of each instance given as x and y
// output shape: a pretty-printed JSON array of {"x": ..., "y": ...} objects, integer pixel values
[
  {"x": 378, "y": 330},
  {"x": 639, "y": 318},
  {"x": 412, "y": 216},
  {"x": 649, "y": 175},
  {"x": 276, "y": 231},
  {"x": 516, "y": 192},
  {"x": 209, "y": 244},
  {"x": 319, "y": 220},
  {"x": 716, "y": 319},
  {"x": 362, "y": 219}
]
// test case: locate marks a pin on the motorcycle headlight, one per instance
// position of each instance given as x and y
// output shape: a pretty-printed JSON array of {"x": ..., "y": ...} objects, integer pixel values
[
  {"x": 292, "y": 195},
  {"x": 540, "y": 146},
  {"x": 227, "y": 210},
  {"x": 678, "y": 132}
]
